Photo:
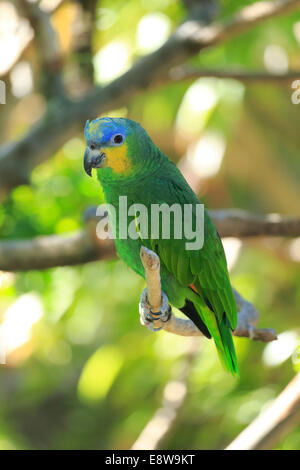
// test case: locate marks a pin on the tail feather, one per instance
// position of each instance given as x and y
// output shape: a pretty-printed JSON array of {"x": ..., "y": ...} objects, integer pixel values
[
  {"x": 227, "y": 352},
  {"x": 219, "y": 330}
]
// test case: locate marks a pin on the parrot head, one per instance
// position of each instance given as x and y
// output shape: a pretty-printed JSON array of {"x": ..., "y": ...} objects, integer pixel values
[{"x": 117, "y": 147}]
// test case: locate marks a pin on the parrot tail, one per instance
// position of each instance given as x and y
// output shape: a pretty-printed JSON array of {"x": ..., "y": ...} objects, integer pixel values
[
  {"x": 226, "y": 352},
  {"x": 191, "y": 312},
  {"x": 220, "y": 331}
]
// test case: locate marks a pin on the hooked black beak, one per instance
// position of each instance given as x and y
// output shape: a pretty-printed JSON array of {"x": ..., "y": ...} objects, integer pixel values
[{"x": 92, "y": 159}]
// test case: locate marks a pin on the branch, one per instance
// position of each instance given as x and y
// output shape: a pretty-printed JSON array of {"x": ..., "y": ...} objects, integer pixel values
[
  {"x": 185, "y": 73},
  {"x": 82, "y": 50},
  {"x": 60, "y": 124},
  {"x": 27, "y": 35},
  {"x": 202, "y": 10},
  {"x": 247, "y": 316},
  {"x": 240, "y": 223},
  {"x": 266, "y": 431},
  {"x": 48, "y": 49},
  {"x": 49, "y": 251}
]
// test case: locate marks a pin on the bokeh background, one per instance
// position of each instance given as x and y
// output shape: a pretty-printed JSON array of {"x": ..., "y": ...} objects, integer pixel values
[{"x": 81, "y": 372}]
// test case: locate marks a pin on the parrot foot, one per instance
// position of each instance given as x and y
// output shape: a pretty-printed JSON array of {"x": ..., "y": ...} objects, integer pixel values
[{"x": 152, "y": 319}]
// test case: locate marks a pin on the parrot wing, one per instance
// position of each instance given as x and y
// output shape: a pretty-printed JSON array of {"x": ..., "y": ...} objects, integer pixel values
[{"x": 204, "y": 271}]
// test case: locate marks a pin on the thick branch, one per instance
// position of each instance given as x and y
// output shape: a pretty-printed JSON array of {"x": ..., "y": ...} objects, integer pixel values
[
  {"x": 50, "y": 251},
  {"x": 266, "y": 431},
  {"x": 247, "y": 316},
  {"x": 189, "y": 39},
  {"x": 45, "y": 252}
]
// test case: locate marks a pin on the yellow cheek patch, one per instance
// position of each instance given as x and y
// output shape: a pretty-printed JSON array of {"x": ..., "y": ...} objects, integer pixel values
[{"x": 117, "y": 159}]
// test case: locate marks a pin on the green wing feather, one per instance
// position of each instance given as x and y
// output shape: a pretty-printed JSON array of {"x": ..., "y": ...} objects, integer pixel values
[{"x": 207, "y": 270}]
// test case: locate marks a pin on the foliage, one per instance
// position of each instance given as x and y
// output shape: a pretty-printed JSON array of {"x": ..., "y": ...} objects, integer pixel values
[{"x": 87, "y": 374}]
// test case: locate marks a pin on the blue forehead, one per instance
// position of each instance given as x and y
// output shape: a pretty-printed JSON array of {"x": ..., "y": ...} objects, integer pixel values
[{"x": 102, "y": 129}]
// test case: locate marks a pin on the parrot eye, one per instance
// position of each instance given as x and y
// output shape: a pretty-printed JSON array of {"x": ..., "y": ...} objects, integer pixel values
[{"x": 118, "y": 139}]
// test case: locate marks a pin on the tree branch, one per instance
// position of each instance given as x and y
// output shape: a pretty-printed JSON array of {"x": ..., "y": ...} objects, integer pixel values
[
  {"x": 266, "y": 431},
  {"x": 82, "y": 50},
  {"x": 60, "y": 123},
  {"x": 48, "y": 49},
  {"x": 248, "y": 316},
  {"x": 202, "y": 10},
  {"x": 46, "y": 252},
  {"x": 51, "y": 251},
  {"x": 240, "y": 223},
  {"x": 185, "y": 73},
  {"x": 26, "y": 39}
]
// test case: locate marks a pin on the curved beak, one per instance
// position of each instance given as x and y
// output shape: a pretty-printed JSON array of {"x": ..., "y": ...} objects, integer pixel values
[{"x": 92, "y": 159}]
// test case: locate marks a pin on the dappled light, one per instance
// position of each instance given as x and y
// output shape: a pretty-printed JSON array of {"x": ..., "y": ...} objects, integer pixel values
[
  {"x": 213, "y": 88},
  {"x": 276, "y": 59},
  {"x": 18, "y": 321},
  {"x": 207, "y": 154},
  {"x": 146, "y": 41},
  {"x": 15, "y": 34},
  {"x": 279, "y": 351},
  {"x": 111, "y": 61}
]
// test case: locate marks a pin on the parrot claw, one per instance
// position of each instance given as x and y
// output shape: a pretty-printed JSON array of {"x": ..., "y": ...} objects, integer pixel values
[{"x": 149, "y": 318}]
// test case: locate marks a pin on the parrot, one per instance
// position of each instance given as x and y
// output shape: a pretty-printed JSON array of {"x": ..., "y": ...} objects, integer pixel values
[{"x": 196, "y": 281}]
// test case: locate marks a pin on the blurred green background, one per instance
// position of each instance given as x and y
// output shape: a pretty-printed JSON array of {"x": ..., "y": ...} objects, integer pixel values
[{"x": 81, "y": 372}]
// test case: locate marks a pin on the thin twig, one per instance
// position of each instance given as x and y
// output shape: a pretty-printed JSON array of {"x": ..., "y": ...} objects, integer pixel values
[
  {"x": 247, "y": 316},
  {"x": 269, "y": 428},
  {"x": 187, "y": 73},
  {"x": 62, "y": 122},
  {"x": 240, "y": 223}
]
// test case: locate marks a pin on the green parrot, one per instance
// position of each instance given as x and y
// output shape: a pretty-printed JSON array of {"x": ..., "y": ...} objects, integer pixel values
[{"x": 196, "y": 281}]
